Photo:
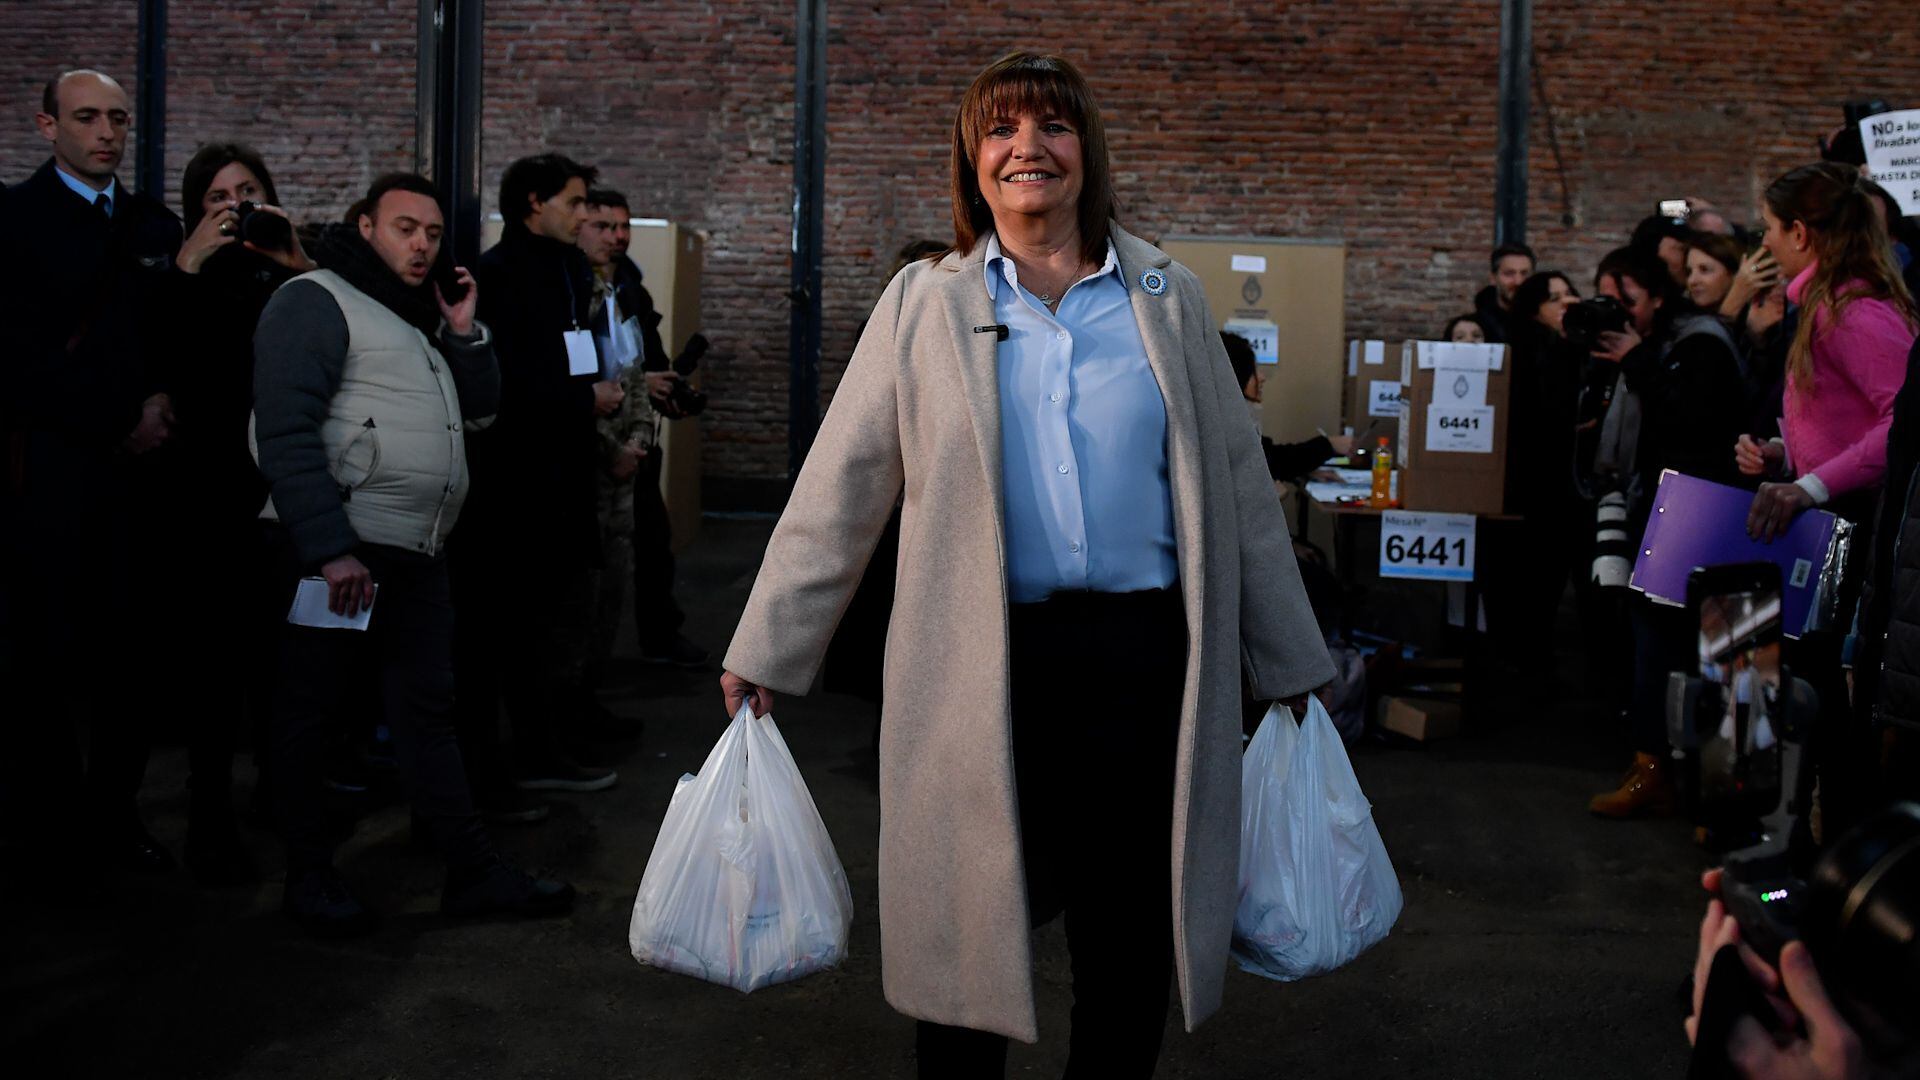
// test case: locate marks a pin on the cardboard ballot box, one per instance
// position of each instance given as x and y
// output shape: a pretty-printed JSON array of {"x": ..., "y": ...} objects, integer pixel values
[
  {"x": 1370, "y": 396},
  {"x": 1452, "y": 439},
  {"x": 1288, "y": 298}
]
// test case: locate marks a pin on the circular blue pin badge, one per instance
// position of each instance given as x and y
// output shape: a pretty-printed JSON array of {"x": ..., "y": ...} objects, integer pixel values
[{"x": 1154, "y": 282}]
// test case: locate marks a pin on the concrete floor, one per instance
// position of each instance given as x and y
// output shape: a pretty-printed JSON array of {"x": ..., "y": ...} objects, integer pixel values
[{"x": 1536, "y": 941}]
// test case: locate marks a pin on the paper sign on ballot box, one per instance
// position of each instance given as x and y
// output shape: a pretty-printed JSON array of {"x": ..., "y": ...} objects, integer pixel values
[{"x": 1426, "y": 546}]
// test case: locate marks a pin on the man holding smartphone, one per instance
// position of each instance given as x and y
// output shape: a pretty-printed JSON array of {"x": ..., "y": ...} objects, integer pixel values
[{"x": 365, "y": 381}]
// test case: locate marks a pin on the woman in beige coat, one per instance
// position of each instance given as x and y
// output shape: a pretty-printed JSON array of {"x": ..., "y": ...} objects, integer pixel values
[{"x": 1091, "y": 553}]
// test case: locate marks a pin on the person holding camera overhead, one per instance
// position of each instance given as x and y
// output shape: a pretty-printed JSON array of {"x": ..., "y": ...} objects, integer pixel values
[
  {"x": 240, "y": 247},
  {"x": 1090, "y": 550},
  {"x": 1683, "y": 397}
]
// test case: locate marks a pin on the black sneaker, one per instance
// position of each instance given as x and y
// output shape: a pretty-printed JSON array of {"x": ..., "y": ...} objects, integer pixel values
[
  {"x": 321, "y": 903},
  {"x": 678, "y": 652},
  {"x": 496, "y": 887},
  {"x": 558, "y": 772}
]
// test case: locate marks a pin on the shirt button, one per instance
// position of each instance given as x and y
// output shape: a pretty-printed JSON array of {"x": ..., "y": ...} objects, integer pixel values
[
  {"x": 1053, "y": 397},
  {"x": 1062, "y": 335},
  {"x": 1075, "y": 548},
  {"x": 1061, "y": 468}
]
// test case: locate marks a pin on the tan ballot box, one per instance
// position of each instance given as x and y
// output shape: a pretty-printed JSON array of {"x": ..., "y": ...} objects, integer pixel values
[
  {"x": 1371, "y": 394},
  {"x": 672, "y": 258},
  {"x": 1452, "y": 441},
  {"x": 1287, "y": 297}
]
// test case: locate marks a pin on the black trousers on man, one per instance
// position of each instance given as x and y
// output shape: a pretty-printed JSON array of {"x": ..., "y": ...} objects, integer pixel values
[
  {"x": 77, "y": 672},
  {"x": 409, "y": 643},
  {"x": 655, "y": 614},
  {"x": 1097, "y": 681}
]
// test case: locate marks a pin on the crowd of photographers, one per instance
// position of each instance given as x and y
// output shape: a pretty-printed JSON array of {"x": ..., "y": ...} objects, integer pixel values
[
  {"x": 1774, "y": 357},
  {"x": 218, "y": 418}
]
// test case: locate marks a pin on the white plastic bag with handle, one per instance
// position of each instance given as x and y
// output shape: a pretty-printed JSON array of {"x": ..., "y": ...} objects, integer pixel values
[
  {"x": 743, "y": 887},
  {"x": 1316, "y": 887}
]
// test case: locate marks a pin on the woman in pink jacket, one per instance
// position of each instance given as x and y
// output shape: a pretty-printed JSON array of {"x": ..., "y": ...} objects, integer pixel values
[{"x": 1848, "y": 358}]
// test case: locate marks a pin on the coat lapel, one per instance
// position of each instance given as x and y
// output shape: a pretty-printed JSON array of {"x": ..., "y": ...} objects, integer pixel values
[
  {"x": 967, "y": 306},
  {"x": 1161, "y": 329}
]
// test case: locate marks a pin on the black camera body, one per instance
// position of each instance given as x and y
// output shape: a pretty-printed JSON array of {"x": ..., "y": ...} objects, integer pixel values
[
  {"x": 1742, "y": 722},
  {"x": 1585, "y": 321},
  {"x": 684, "y": 400},
  {"x": 261, "y": 228}
]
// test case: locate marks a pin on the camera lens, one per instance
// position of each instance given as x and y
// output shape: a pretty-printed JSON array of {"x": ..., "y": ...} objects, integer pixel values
[
  {"x": 1862, "y": 923},
  {"x": 262, "y": 229}
]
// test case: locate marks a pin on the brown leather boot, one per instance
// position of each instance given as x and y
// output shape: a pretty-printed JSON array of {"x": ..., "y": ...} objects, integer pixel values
[{"x": 1646, "y": 791}]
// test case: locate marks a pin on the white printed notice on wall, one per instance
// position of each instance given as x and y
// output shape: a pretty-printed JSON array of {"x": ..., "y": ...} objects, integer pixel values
[{"x": 1892, "y": 142}]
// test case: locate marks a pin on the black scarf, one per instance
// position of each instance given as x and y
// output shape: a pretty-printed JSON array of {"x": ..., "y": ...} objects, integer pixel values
[{"x": 342, "y": 250}]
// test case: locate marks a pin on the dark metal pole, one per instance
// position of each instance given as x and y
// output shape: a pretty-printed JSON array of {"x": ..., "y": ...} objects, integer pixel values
[
  {"x": 1516, "y": 62},
  {"x": 447, "y": 126},
  {"x": 809, "y": 208},
  {"x": 150, "y": 111}
]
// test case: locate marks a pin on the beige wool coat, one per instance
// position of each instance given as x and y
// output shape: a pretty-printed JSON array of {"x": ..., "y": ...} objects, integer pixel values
[{"x": 918, "y": 409}]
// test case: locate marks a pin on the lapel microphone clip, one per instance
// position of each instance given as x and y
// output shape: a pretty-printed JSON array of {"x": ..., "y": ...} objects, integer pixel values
[{"x": 998, "y": 330}]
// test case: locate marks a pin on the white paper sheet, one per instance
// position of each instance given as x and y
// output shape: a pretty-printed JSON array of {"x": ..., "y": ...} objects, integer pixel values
[{"x": 310, "y": 608}]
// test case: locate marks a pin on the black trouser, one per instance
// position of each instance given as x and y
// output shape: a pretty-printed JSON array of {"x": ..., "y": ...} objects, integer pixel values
[
  {"x": 477, "y": 661},
  {"x": 409, "y": 644},
  {"x": 1665, "y": 640},
  {"x": 1097, "y": 681},
  {"x": 655, "y": 614},
  {"x": 77, "y": 672}
]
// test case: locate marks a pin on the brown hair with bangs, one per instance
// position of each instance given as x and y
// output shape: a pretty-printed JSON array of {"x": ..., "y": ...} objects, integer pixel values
[{"x": 1041, "y": 85}]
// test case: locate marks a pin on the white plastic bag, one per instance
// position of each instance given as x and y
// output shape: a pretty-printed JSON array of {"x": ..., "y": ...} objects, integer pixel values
[
  {"x": 743, "y": 887},
  {"x": 1316, "y": 887}
]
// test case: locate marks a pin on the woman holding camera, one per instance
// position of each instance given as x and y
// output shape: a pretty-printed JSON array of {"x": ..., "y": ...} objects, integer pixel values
[
  {"x": 238, "y": 249},
  {"x": 1090, "y": 551},
  {"x": 1680, "y": 396},
  {"x": 1528, "y": 582}
]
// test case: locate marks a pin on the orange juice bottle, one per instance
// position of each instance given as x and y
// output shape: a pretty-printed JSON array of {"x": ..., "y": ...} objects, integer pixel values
[{"x": 1382, "y": 495}]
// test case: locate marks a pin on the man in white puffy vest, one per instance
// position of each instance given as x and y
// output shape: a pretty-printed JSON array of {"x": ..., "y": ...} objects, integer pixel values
[{"x": 366, "y": 377}]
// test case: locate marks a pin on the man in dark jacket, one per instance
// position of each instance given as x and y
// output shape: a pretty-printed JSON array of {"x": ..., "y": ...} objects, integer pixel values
[
  {"x": 365, "y": 380},
  {"x": 85, "y": 276},
  {"x": 534, "y": 470},
  {"x": 1508, "y": 266}
]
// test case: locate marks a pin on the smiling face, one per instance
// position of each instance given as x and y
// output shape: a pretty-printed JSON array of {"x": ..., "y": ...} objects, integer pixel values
[
  {"x": 1507, "y": 276},
  {"x": 90, "y": 132},
  {"x": 1030, "y": 166},
  {"x": 1707, "y": 279}
]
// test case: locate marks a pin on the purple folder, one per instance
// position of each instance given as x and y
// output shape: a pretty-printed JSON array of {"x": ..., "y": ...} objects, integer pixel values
[{"x": 1700, "y": 523}]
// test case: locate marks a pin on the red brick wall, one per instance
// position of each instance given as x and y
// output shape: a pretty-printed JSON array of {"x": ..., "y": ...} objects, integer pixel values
[{"x": 1371, "y": 121}]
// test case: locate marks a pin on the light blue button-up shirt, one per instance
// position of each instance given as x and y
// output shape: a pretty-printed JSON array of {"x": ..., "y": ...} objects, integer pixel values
[
  {"x": 1083, "y": 440},
  {"x": 112, "y": 192}
]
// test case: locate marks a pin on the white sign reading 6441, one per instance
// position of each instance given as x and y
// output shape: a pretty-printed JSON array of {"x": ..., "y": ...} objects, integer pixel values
[{"x": 1431, "y": 547}]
